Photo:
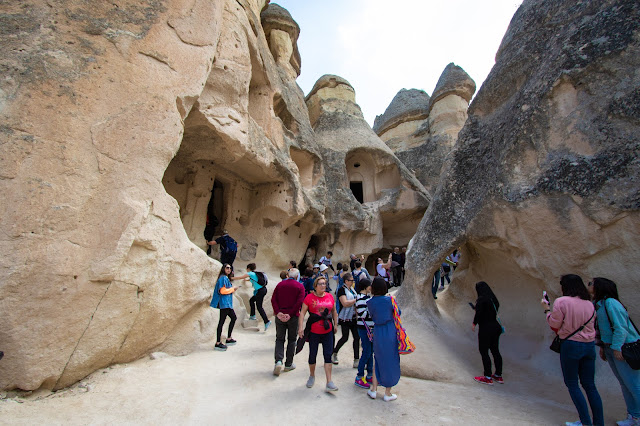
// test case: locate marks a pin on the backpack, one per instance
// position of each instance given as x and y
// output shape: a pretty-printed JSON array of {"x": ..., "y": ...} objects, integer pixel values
[
  {"x": 230, "y": 245},
  {"x": 358, "y": 277},
  {"x": 263, "y": 280}
]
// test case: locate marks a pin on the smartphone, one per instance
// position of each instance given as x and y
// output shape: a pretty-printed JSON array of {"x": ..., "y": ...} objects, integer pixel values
[{"x": 544, "y": 295}]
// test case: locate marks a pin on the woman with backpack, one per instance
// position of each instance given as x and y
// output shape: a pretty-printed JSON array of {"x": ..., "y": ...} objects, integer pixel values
[
  {"x": 616, "y": 329},
  {"x": 259, "y": 292},
  {"x": 223, "y": 299},
  {"x": 573, "y": 320}
]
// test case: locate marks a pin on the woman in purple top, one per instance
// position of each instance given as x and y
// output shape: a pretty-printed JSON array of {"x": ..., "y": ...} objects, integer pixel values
[
  {"x": 385, "y": 341},
  {"x": 574, "y": 312}
]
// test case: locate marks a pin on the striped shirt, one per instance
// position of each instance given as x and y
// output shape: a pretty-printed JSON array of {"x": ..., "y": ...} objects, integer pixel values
[{"x": 362, "y": 312}]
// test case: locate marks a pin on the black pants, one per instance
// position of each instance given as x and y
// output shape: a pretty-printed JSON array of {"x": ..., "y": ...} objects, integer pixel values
[
  {"x": 327, "y": 346},
  {"x": 445, "y": 274},
  {"x": 257, "y": 300},
  {"x": 288, "y": 330},
  {"x": 228, "y": 258},
  {"x": 224, "y": 313},
  {"x": 349, "y": 327},
  {"x": 397, "y": 276},
  {"x": 488, "y": 340}
]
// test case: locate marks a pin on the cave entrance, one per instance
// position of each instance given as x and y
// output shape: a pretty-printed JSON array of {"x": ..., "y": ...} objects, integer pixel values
[
  {"x": 372, "y": 260},
  {"x": 215, "y": 211},
  {"x": 356, "y": 189},
  {"x": 312, "y": 253}
]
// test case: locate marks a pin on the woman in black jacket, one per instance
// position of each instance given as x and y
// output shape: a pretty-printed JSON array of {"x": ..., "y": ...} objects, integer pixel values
[{"x": 488, "y": 334}]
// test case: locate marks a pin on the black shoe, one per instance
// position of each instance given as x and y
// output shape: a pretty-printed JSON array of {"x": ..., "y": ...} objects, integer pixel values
[
  {"x": 220, "y": 347},
  {"x": 230, "y": 342}
]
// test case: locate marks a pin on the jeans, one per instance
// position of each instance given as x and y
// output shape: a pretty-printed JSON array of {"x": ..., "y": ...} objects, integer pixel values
[
  {"x": 224, "y": 313},
  {"x": 366, "y": 360},
  {"x": 578, "y": 361},
  {"x": 435, "y": 283},
  {"x": 489, "y": 340},
  {"x": 327, "y": 346},
  {"x": 257, "y": 300},
  {"x": 629, "y": 382},
  {"x": 349, "y": 327},
  {"x": 289, "y": 330}
]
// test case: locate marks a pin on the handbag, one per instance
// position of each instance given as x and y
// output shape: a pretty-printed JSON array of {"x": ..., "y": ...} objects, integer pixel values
[
  {"x": 557, "y": 341},
  {"x": 503, "y": 330},
  {"x": 405, "y": 346},
  {"x": 630, "y": 351}
]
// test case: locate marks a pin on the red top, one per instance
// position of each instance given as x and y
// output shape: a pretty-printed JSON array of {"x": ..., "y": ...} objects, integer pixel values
[
  {"x": 316, "y": 305},
  {"x": 287, "y": 297}
]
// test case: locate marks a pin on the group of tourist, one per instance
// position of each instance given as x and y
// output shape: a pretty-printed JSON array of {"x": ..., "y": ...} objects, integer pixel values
[
  {"x": 361, "y": 309},
  {"x": 583, "y": 317}
]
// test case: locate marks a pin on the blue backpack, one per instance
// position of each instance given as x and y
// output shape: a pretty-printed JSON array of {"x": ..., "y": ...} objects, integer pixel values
[{"x": 230, "y": 245}]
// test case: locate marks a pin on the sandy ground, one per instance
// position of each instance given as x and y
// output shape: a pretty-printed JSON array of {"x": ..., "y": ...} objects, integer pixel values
[{"x": 238, "y": 387}]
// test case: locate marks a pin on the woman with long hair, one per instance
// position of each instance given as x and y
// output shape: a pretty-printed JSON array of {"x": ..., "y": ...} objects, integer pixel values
[
  {"x": 616, "y": 329},
  {"x": 259, "y": 292},
  {"x": 489, "y": 331},
  {"x": 573, "y": 319},
  {"x": 347, "y": 318},
  {"x": 320, "y": 329},
  {"x": 223, "y": 299},
  {"x": 385, "y": 341}
]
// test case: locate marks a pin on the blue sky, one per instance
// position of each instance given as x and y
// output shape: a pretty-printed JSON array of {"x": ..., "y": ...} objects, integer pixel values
[{"x": 382, "y": 46}]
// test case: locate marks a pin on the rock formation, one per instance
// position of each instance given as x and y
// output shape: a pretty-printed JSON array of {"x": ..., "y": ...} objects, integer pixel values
[
  {"x": 123, "y": 127},
  {"x": 422, "y": 130},
  {"x": 543, "y": 180},
  {"x": 373, "y": 201}
]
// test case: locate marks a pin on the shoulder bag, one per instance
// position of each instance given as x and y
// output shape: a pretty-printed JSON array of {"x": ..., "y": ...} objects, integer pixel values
[{"x": 405, "y": 346}]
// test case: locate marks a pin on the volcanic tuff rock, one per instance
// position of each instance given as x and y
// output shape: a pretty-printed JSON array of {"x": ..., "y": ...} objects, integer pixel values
[
  {"x": 545, "y": 177},
  {"x": 373, "y": 200},
  {"x": 422, "y": 130},
  {"x": 123, "y": 128}
]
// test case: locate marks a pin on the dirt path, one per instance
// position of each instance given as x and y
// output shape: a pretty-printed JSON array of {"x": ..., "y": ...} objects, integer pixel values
[{"x": 237, "y": 387}]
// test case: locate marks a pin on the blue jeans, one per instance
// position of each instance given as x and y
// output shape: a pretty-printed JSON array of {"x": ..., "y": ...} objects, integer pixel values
[
  {"x": 435, "y": 283},
  {"x": 366, "y": 360},
  {"x": 578, "y": 361},
  {"x": 629, "y": 382}
]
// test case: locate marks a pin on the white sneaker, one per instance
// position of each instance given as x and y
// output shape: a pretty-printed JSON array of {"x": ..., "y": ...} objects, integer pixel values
[
  {"x": 290, "y": 367},
  {"x": 372, "y": 394},
  {"x": 277, "y": 369},
  {"x": 391, "y": 397},
  {"x": 310, "y": 381},
  {"x": 629, "y": 421},
  {"x": 334, "y": 359}
]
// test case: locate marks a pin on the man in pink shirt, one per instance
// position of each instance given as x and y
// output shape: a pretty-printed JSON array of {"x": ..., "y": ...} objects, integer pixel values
[{"x": 286, "y": 301}]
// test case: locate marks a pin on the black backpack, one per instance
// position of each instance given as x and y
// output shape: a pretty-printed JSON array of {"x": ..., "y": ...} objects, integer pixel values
[{"x": 263, "y": 280}]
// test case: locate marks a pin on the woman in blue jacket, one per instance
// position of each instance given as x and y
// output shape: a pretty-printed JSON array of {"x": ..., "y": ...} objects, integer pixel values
[
  {"x": 615, "y": 330},
  {"x": 223, "y": 299}
]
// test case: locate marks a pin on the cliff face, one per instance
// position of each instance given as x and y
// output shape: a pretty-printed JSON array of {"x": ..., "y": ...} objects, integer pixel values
[
  {"x": 543, "y": 180},
  {"x": 123, "y": 128}
]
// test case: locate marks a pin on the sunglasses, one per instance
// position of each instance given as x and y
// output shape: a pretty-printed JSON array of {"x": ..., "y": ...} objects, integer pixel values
[
  {"x": 227, "y": 267},
  {"x": 590, "y": 283}
]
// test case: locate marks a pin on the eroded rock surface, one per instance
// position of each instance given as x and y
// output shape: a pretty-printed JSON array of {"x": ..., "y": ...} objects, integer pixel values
[
  {"x": 422, "y": 130},
  {"x": 544, "y": 179}
]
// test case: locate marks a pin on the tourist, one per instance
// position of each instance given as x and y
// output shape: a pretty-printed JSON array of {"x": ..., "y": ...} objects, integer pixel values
[
  {"x": 385, "y": 341},
  {"x": 228, "y": 248},
  {"x": 342, "y": 270},
  {"x": 383, "y": 269},
  {"x": 323, "y": 273},
  {"x": 616, "y": 329},
  {"x": 223, "y": 299},
  {"x": 360, "y": 272},
  {"x": 365, "y": 329},
  {"x": 446, "y": 271},
  {"x": 320, "y": 329},
  {"x": 436, "y": 282},
  {"x": 293, "y": 264},
  {"x": 326, "y": 260},
  {"x": 403, "y": 260},
  {"x": 286, "y": 302},
  {"x": 573, "y": 318},
  {"x": 308, "y": 282},
  {"x": 396, "y": 257},
  {"x": 489, "y": 330},
  {"x": 347, "y": 318},
  {"x": 259, "y": 292}
]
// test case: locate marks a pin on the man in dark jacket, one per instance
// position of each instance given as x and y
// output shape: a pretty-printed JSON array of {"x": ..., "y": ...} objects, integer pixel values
[{"x": 287, "y": 300}]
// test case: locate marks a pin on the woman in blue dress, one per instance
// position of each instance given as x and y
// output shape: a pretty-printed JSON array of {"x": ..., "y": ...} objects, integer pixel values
[{"x": 385, "y": 341}]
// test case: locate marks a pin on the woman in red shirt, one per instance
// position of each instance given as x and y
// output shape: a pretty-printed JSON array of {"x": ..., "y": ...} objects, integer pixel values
[{"x": 320, "y": 328}]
